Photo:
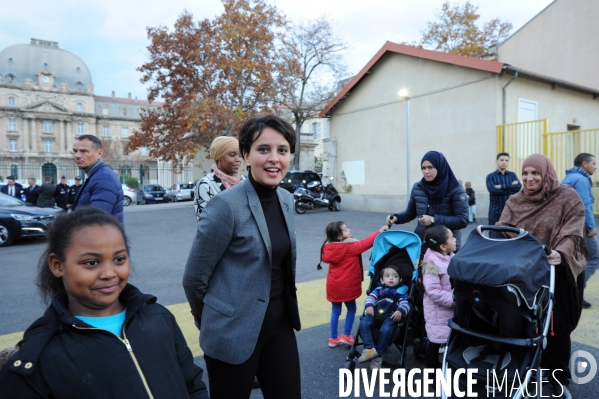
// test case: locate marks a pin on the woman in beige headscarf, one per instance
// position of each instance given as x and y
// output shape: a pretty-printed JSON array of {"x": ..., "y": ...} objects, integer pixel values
[
  {"x": 224, "y": 151},
  {"x": 554, "y": 214}
]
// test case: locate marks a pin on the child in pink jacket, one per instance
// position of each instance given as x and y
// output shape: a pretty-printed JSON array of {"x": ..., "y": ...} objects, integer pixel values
[{"x": 438, "y": 299}]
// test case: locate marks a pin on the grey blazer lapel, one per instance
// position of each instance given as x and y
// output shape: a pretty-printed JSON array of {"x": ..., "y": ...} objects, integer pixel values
[
  {"x": 288, "y": 213},
  {"x": 256, "y": 209}
]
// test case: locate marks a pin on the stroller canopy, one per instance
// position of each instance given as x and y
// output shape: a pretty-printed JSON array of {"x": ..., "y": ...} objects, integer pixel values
[
  {"x": 396, "y": 238},
  {"x": 520, "y": 262}
]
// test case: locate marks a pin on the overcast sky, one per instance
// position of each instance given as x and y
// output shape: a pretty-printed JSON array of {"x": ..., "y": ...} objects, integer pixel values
[{"x": 110, "y": 35}]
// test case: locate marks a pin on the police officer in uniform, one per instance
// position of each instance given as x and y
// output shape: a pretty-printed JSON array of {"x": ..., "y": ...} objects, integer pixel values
[
  {"x": 61, "y": 195},
  {"x": 73, "y": 191}
]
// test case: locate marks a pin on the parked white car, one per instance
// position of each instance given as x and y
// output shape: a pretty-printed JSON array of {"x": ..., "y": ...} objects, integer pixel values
[
  {"x": 130, "y": 195},
  {"x": 180, "y": 192}
]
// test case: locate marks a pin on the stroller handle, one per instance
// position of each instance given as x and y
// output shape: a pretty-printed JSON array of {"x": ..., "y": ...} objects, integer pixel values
[
  {"x": 501, "y": 229},
  {"x": 546, "y": 249}
]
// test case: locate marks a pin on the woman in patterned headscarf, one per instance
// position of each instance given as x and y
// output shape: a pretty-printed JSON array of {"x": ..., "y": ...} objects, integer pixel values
[
  {"x": 554, "y": 214},
  {"x": 225, "y": 171},
  {"x": 436, "y": 199}
]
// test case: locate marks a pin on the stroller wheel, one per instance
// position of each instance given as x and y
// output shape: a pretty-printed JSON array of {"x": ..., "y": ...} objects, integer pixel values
[{"x": 349, "y": 365}]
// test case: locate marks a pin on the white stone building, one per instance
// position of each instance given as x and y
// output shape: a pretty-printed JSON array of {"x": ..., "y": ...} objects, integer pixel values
[{"x": 46, "y": 100}]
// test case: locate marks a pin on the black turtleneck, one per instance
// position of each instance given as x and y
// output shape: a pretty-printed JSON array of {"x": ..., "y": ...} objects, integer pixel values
[{"x": 280, "y": 245}]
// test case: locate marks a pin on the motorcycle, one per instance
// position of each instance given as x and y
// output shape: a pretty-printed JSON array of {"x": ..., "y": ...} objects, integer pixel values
[{"x": 313, "y": 196}]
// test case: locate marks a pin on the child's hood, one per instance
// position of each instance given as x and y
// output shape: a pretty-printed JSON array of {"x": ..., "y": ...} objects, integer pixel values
[
  {"x": 442, "y": 261},
  {"x": 334, "y": 252}
]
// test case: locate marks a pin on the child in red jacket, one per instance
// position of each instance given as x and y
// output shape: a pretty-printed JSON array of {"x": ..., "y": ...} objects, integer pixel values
[{"x": 343, "y": 253}]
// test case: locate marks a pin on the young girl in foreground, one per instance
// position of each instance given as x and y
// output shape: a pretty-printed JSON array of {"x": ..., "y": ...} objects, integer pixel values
[
  {"x": 438, "y": 300},
  {"x": 343, "y": 253},
  {"x": 100, "y": 337}
]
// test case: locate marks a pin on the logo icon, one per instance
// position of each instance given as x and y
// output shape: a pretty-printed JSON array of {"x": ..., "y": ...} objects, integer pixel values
[{"x": 581, "y": 363}]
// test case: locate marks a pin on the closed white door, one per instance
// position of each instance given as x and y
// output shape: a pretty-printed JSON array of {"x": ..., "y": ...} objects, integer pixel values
[{"x": 528, "y": 133}]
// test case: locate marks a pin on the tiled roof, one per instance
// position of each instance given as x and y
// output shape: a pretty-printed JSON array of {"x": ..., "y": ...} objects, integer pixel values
[
  {"x": 467, "y": 62},
  {"x": 459, "y": 60}
]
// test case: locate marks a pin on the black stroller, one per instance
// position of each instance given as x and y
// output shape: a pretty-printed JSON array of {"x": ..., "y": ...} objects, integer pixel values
[
  {"x": 503, "y": 291},
  {"x": 400, "y": 248}
]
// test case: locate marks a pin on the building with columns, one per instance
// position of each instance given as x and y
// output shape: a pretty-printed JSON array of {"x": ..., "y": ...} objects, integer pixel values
[{"x": 47, "y": 100}]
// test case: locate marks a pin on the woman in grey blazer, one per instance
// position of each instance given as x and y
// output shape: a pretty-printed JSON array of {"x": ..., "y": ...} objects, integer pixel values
[{"x": 240, "y": 274}]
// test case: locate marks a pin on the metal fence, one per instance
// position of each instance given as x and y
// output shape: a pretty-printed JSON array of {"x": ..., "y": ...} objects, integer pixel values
[
  {"x": 521, "y": 140},
  {"x": 145, "y": 173},
  {"x": 525, "y": 138}
]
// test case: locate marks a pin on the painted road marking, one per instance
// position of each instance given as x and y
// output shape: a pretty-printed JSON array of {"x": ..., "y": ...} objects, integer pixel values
[{"x": 316, "y": 311}]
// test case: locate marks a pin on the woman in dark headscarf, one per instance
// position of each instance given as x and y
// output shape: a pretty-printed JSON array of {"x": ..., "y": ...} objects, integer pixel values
[
  {"x": 554, "y": 214},
  {"x": 436, "y": 199}
]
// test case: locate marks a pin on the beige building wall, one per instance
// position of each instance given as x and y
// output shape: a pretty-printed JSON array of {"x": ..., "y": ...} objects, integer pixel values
[
  {"x": 201, "y": 164},
  {"x": 562, "y": 107},
  {"x": 453, "y": 110},
  {"x": 561, "y": 42}
]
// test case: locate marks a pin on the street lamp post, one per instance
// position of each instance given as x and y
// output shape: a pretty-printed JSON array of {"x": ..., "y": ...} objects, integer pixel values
[{"x": 403, "y": 93}]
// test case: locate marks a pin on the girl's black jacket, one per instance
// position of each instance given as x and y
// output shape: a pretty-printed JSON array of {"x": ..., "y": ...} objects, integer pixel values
[{"x": 62, "y": 357}]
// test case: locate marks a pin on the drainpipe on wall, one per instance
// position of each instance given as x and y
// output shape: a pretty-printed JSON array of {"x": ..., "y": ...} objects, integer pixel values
[{"x": 504, "y": 100}]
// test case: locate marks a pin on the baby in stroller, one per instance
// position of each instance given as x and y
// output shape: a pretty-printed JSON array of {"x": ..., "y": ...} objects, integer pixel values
[
  {"x": 401, "y": 249},
  {"x": 384, "y": 307}
]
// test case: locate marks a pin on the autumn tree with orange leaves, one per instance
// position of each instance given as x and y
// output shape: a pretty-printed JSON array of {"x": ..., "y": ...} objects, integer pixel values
[
  {"x": 456, "y": 31},
  {"x": 211, "y": 75}
]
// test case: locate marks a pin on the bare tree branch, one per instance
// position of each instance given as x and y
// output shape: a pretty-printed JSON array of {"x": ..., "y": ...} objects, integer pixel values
[{"x": 312, "y": 51}]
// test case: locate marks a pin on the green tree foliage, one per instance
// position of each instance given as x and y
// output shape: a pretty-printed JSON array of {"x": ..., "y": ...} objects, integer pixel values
[
  {"x": 456, "y": 31},
  {"x": 132, "y": 182}
]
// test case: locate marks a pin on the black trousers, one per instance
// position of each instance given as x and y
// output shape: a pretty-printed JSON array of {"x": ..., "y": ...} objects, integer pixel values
[
  {"x": 275, "y": 362},
  {"x": 432, "y": 355},
  {"x": 566, "y": 313},
  {"x": 493, "y": 218}
]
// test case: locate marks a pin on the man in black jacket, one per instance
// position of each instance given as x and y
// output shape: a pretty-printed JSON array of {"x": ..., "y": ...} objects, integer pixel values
[
  {"x": 471, "y": 203},
  {"x": 73, "y": 191},
  {"x": 61, "y": 195},
  {"x": 45, "y": 193},
  {"x": 13, "y": 188},
  {"x": 501, "y": 184},
  {"x": 31, "y": 192}
]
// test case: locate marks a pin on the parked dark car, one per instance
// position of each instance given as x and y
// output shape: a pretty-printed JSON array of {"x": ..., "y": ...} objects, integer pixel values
[
  {"x": 20, "y": 220},
  {"x": 294, "y": 177},
  {"x": 151, "y": 193}
]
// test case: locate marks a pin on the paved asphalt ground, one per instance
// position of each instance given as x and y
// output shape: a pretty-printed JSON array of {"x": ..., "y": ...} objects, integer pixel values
[{"x": 161, "y": 236}]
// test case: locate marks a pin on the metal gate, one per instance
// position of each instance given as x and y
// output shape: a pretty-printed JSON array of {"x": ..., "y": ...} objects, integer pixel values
[{"x": 525, "y": 138}]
